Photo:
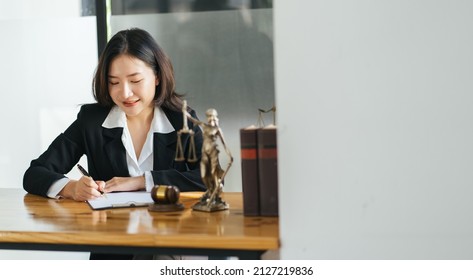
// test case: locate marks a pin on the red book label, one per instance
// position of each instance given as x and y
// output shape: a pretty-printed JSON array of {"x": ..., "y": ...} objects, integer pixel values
[
  {"x": 248, "y": 153},
  {"x": 268, "y": 153}
]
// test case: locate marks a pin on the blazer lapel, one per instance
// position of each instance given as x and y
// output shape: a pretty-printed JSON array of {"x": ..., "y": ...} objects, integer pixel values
[
  {"x": 115, "y": 151},
  {"x": 164, "y": 150}
]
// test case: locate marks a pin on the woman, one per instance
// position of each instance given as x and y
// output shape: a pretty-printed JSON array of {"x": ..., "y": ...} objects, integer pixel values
[{"x": 129, "y": 136}]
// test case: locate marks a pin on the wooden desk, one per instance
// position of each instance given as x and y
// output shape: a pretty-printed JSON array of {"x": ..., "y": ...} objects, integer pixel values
[{"x": 30, "y": 222}]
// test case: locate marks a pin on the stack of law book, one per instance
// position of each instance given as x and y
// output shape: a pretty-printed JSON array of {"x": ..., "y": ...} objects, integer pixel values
[{"x": 259, "y": 168}]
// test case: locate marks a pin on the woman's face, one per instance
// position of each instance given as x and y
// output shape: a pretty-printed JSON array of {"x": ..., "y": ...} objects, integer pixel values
[{"x": 132, "y": 85}]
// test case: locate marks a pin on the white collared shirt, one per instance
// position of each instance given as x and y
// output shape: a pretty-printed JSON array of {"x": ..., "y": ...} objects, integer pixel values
[{"x": 136, "y": 166}]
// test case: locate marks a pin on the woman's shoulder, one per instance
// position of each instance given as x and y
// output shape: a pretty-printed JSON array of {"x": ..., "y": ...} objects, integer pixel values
[
  {"x": 93, "y": 111},
  {"x": 94, "y": 108}
]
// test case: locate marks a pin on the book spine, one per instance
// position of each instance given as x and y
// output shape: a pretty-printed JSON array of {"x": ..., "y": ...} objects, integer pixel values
[
  {"x": 249, "y": 172},
  {"x": 268, "y": 172}
]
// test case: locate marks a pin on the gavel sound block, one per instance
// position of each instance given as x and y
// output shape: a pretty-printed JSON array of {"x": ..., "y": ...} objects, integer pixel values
[{"x": 166, "y": 199}]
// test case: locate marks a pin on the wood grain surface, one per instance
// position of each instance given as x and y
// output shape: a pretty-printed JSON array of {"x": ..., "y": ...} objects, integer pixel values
[{"x": 33, "y": 219}]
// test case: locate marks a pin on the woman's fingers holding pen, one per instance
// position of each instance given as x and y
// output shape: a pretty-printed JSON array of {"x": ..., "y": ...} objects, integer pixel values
[
  {"x": 89, "y": 187},
  {"x": 83, "y": 189},
  {"x": 101, "y": 185}
]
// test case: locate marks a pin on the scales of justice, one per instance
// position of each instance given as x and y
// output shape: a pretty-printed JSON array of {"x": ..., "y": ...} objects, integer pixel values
[{"x": 211, "y": 172}]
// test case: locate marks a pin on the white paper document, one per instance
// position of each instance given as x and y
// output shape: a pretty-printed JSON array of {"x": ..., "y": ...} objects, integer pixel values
[{"x": 120, "y": 200}]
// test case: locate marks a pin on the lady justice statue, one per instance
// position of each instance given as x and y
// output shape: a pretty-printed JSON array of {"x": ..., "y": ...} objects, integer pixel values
[{"x": 210, "y": 170}]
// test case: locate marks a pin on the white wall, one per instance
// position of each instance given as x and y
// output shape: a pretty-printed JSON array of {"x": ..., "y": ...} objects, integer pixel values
[
  {"x": 28, "y": 9},
  {"x": 375, "y": 132},
  {"x": 46, "y": 70},
  {"x": 48, "y": 54}
]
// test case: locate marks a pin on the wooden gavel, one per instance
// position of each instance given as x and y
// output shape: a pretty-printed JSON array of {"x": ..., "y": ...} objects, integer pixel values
[{"x": 165, "y": 199}]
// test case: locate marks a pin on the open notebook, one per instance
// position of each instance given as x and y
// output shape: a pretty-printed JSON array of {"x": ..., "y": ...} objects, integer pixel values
[{"x": 121, "y": 200}]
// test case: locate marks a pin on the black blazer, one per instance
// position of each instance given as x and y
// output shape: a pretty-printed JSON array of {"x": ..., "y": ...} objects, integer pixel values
[{"x": 106, "y": 155}]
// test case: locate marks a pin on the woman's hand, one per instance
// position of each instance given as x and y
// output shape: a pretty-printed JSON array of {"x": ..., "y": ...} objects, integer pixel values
[
  {"x": 117, "y": 184},
  {"x": 84, "y": 189}
]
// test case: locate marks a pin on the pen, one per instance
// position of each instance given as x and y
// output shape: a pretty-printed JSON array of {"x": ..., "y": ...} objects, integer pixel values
[{"x": 85, "y": 173}]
